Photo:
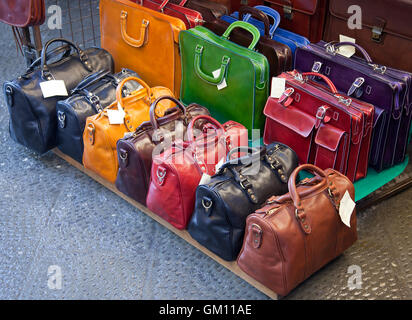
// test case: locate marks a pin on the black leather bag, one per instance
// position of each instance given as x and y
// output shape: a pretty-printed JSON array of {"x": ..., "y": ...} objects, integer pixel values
[
  {"x": 33, "y": 121},
  {"x": 90, "y": 97},
  {"x": 239, "y": 188}
]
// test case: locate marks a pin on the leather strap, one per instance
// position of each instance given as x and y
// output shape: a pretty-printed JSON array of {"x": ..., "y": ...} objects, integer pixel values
[
  {"x": 220, "y": 130},
  {"x": 246, "y": 26},
  {"x": 324, "y": 78},
  {"x": 136, "y": 43},
  {"x": 119, "y": 90},
  {"x": 245, "y": 12},
  {"x": 154, "y": 105}
]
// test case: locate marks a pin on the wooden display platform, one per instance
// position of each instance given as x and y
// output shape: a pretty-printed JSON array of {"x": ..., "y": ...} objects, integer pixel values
[{"x": 232, "y": 266}]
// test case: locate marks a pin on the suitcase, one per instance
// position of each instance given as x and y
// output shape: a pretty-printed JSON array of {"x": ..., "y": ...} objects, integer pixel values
[
  {"x": 304, "y": 17},
  {"x": 230, "y": 80},
  {"x": 279, "y": 55},
  {"x": 389, "y": 90},
  {"x": 385, "y": 31},
  {"x": 321, "y": 126}
]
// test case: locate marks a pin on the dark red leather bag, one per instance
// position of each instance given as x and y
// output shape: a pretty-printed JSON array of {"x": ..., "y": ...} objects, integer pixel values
[
  {"x": 323, "y": 127},
  {"x": 234, "y": 5},
  {"x": 296, "y": 234},
  {"x": 135, "y": 150},
  {"x": 304, "y": 17},
  {"x": 22, "y": 13},
  {"x": 178, "y": 170},
  {"x": 190, "y": 17}
]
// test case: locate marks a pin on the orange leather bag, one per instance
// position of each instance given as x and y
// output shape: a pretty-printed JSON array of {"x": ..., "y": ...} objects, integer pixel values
[
  {"x": 100, "y": 137},
  {"x": 143, "y": 40}
]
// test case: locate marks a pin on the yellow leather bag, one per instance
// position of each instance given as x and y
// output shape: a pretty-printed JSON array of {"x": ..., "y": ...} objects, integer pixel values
[
  {"x": 100, "y": 137},
  {"x": 143, "y": 40}
]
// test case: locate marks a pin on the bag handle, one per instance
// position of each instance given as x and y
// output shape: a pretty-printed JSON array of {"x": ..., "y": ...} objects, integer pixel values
[
  {"x": 66, "y": 49},
  {"x": 204, "y": 76},
  {"x": 153, "y": 118},
  {"x": 92, "y": 79},
  {"x": 45, "y": 72},
  {"x": 246, "y": 12},
  {"x": 270, "y": 12},
  {"x": 119, "y": 89},
  {"x": 332, "y": 48},
  {"x": 252, "y": 154},
  {"x": 136, "y": 43},
  {"x": 246, "y": 26},
  {"x": 190, "y": 132},
  {"x": 329, "y": 82}
]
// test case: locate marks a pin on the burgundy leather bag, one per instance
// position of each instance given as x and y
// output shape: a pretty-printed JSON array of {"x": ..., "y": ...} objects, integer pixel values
[
  {"x": 234, "y": 5},
  {"x": 177, "y": 172},
  {"x": 190, "y": 17},
  {"x": 135, "y": 150},
  {"x": 385, "y": 32},
  {"x": 304, "y": 17},
  {"x": 209, "y": 10},
  {"x": 323, "y": 127},
  {"x": 278, "y": 54},
  {"x": 296, "y": 234},
  {"x": 22, "y": 13}
]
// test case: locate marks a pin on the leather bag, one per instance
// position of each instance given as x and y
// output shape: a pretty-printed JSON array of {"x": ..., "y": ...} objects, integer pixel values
[
  {"x": 240, "y": 187},
  {"x": 136, "y": 149},
  {"x": 209, "y": 10},
  {"x": 385, "y": 31},
  {"x": 389, "y": 90},
  {"x": 100, "y": 137},
  {"x": 190, "y": 17},
  {"x": 233, "y": 5},
  {"x": 292, "y": 40},
  {"x": 33, "y": 121},
  {"x": 279, "y": 55},
  {"x": 323, "y": 127},
  {"x": 296, "y": 234},
  {"x": 90, "y": 97},
  {"x": 244, "y": 72},
  {"x": 179, "y": 169},
  {"x": 143, "y": 40},
  {"x": 22, "y": 13},
  {"x": 304, "y": 17}
]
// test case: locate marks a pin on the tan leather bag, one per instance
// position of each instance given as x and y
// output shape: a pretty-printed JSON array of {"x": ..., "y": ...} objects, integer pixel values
[
  {"x": 142, "y": 40},
  {"x": 296, "y": 234},
  {"x": 386, "y": 32},
  {"x": 100, "y": 137}
]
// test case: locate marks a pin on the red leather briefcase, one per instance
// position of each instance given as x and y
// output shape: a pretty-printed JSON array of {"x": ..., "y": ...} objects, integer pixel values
[
  {"x": 304, "y": 17},
  {"x": 190, "y": 17},
  {"x": 178, "y": 170},
  {"x": 324, "y": 128}
]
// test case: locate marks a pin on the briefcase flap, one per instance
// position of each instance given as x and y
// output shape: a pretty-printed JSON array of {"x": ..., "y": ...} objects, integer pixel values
[
  {"x": 329, "y": 137},
  {"x": 389, "y": 16},
  {"x": 290, "y": 117},
  {"x": 307, "y": 7}
]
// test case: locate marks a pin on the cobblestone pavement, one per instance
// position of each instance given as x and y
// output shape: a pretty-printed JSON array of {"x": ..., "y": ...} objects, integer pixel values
[{"x": 53, "y": 215}]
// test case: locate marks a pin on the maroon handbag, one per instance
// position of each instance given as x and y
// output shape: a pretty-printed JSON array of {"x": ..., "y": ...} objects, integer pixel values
[
  {"x": 304, "y": 17},
  {"x": 190, "y": 17},
  {"x": 135, "y": 150},
  {"x": 296, "y": 234},
  {"x": 177, "y": 172},
  {"x": 22, "y": 13},
  {"x": 324, "y": 128}
]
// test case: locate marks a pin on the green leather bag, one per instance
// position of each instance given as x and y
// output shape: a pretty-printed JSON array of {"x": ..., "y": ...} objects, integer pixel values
[{"x": 244, "y": 71}]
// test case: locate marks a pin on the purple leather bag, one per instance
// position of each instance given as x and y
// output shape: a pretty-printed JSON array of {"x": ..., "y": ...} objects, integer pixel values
[{"x": 389, "y": 90}]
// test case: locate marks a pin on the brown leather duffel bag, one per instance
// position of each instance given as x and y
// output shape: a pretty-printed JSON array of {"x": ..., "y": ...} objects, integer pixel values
[
  {"x": 22, "y": 13},
  {"x": 386, "y": 32},
  {"x": 296, "y": 234}
]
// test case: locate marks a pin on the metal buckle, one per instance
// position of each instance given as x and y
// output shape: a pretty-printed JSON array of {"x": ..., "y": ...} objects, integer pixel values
[
  {"x": 377, "y": 68},
  {"x": 320, "y": 114},
  {"x": 287, "y": 11},
  {"x": 346, "y": 102},
  {"x": 377, "y": 34},
  {"x": 207, "y": 205},
  {"x": 330, "y": 48},
  {"x": 317, "y": 66},
  {"x": 299, "y": 77},
  {"x": 61, "y": 116},
  {"x": 286, "y": 94},
  {"x": 161, "y": 174}
]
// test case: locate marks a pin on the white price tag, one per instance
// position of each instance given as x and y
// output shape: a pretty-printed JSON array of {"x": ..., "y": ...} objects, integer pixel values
[
  {"x": 346, "y": 207},
  {"x": 115, "y": 116},
  {"x": 278, "y": 87},
  {"x": 346, "y": 51},
  {"x": 221, "y": 85},
  {"x": 53, "y": 88},
  {"x": 205, "y": 179}
]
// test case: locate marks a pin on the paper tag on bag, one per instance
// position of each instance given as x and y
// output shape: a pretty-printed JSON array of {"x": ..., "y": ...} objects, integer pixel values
[
  {"x": 346, "y": 207},
  {"x": 205, "y": 179},
  {"x": 221, "y": 85},
  {"x": 346, "y": 51},
  {"x": 115, "y": 116},
  {"x": 278, "y": 87},
  {"x": 53, "y": 88}
]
